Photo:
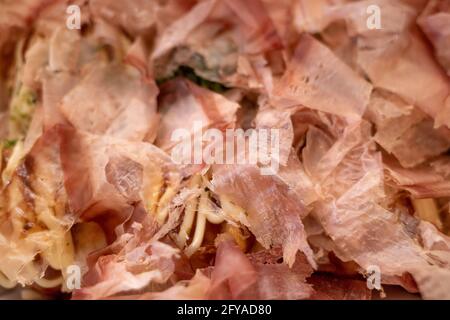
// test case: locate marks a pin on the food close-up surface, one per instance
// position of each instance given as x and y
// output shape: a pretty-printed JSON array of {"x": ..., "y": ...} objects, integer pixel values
[{"x": 225, "y": 149}]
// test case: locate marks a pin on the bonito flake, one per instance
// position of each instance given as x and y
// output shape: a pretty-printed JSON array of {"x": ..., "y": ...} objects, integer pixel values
[{"x": 225, "y": 149}]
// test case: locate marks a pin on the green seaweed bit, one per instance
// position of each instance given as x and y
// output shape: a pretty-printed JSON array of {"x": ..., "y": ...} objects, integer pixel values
[
  {"x": 189, "y": 73},
  {"x": 9, "y": 143},
  {"x": 22, "y": 110}
]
